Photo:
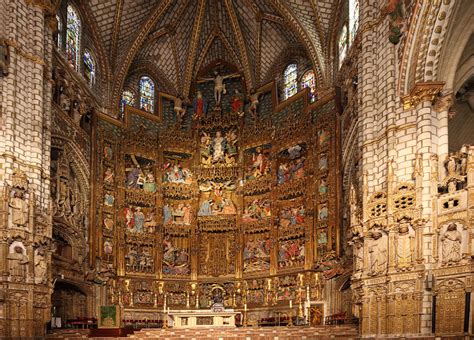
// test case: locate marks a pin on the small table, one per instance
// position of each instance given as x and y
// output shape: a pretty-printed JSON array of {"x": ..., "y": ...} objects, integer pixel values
[{"x": 203, "y": 318}]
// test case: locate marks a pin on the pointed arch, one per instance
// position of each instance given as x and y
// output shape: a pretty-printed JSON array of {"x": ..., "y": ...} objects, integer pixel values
[{"x": 295, "y": 24}]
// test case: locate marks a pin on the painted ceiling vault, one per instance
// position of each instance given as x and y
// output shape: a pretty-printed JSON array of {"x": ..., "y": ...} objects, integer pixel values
[{"x": 177, "y": 38}]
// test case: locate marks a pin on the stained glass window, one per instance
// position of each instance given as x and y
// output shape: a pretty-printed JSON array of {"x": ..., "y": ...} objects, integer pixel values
[
  {"x": 128, "y": 98},
  {"x": 73, "y": 35},
  {"x": 353, "y": 19},
  {"x": 89, "y": 68},
  {"x": 59, "y": 40},
  {"x": 342, "y": 44},
  {"x": 290, "y": 83},
  {"x": 147, "y": 94},
  {"x": 309, "y": 80}
]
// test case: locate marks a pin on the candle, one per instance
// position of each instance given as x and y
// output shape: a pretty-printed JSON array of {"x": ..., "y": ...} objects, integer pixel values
[
  {"x": 291, "y": 304},
  {"x": 168, "y": 310},
  {"x": 245, "y": 307}
]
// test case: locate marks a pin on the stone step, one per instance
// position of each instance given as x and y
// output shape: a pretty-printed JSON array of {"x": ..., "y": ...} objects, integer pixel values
[
  {"x": 68, "y": 334},
  {"x": 250, "y": 333}
]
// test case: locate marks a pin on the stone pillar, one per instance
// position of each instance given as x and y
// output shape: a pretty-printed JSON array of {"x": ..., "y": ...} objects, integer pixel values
[{"x": 25, "y": 94}]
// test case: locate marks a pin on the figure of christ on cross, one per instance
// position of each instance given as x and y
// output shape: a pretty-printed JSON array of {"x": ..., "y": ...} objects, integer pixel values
[{"x": 219, "y": 86}]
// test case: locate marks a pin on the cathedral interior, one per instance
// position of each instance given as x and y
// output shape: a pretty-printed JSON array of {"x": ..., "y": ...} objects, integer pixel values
[{"x": 300, "y": 166}]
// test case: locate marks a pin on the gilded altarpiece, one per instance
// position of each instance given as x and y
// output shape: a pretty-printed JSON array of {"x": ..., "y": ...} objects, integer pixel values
[
  {"x": 138, "y": 199},
  {"x": 244, "y": 208},
  {"x": 105, "y": 198}
]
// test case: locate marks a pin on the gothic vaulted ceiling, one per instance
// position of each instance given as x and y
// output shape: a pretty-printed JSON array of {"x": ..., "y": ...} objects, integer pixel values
[{"x": 177, "y": 38}]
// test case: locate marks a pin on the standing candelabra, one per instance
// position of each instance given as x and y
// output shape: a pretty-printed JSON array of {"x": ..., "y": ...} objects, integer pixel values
[{"x": 245, "y": 315}]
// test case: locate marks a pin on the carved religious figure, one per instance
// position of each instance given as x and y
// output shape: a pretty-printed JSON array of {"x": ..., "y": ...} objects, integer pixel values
[
  {"x": 353, "y": 205},
  {"x": 149, "y": 185},
  {"x": 19, "y": 259},
  {"x": 377, "y": 253},
  {"x": 199, "y": 106},
  {"x": 254, "y": 105},
  {"x": 19, "y": 209},
  {"x": 358, "y": 252},
  {"x": 219, "y": 86},
  {"x": 259, "y": 164},
  {"x": 109, "y": 176},
  {"x": 179, "y": 109},
  {"x": 139, "y": 219},
  {"x": 451, "y": 165},
  {"x": 451, "y": 244},
  {"x": 40, "y": 265},
  {"x": 218, "y": 147},
  {"x": 237, "y": 103},
  {"x": 404, "y": 245}
]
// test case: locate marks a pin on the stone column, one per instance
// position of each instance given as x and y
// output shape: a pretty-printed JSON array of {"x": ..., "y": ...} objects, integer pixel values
[{"x": 25, "y": 94}]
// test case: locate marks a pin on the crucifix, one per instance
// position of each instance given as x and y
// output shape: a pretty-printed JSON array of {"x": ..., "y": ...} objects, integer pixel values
[{"x": 219, "y": 86}]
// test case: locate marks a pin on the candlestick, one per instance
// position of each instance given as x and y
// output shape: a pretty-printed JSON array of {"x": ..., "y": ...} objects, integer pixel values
[
  {"x": 245, "y": 307},
  {"x": 291, "y": 304}
]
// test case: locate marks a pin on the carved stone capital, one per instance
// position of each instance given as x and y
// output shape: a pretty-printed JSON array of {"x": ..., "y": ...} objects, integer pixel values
[
  {"x": 444, "y": 102},
  {"x": 422, "y": 92}
]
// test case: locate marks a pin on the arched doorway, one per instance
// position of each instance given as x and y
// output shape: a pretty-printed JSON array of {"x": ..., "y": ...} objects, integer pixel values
[{"x": 69, "y": 302}]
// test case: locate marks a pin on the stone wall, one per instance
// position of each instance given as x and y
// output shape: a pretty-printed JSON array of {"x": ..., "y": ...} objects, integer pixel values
[{"x": 398, "y": 192}]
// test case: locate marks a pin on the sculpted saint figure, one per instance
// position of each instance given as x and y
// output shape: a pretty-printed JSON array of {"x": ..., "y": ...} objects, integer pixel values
[
  {"x": 450, "y": 165},
  {"x": 237, "y": 103},
  {"x": 377, "y": 254},
  {"x": 199, "y": 106},
  {"x": 451, "y": 244},
  {"x": 40, "y": 265},
  {"x": 218, "y": 146},
  {"x": 404, "y": 246},
  {"x": 19, "y": 209}
]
